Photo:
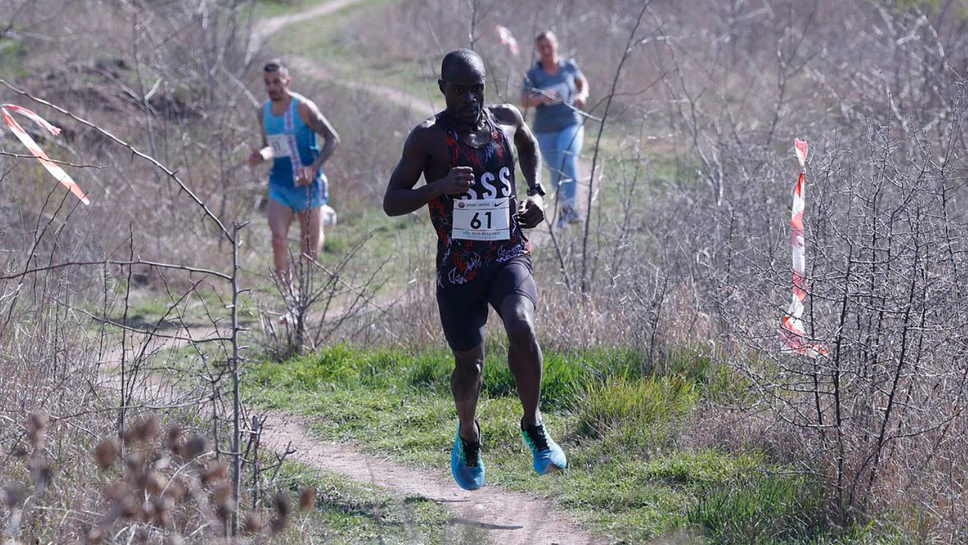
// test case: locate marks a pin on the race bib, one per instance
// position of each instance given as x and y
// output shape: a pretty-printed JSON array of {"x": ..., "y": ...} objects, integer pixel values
[
  {"x": 279, "y": 144},
  {"x": 482, "y": 219}
]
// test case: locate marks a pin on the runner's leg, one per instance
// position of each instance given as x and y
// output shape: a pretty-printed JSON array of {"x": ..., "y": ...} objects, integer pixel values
[
  {"x": 311, "y": 232},
  {"x": 466, "y": 382},
  {"x": 524, "y": 354},
  {"x": 280, "y": 218}
]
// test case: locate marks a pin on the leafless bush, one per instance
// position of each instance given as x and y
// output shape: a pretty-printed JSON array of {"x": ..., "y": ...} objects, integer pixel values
[
  {"x": 323, "y": 305},
  {"x": 884, "y": 248}
]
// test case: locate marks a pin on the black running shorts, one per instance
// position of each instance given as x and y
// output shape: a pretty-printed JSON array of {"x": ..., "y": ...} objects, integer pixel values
[{"x": 463, "y": 308}]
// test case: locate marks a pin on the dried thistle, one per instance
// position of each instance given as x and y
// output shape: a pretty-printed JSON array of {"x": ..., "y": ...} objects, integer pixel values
[
  {"x": 176, "y": 490},
  {"x": 154, "y": 482},
  {"x": 40, "y": 472},
  {"x": 148, "y": 427},
  {"x": 278, "y": 524},
  {"x": 195, "y": 446},
  {"x": 36, "y": 424},
  {"x": 307, "y": 498},
  {"x": 128, "y": 507},
  {"x": 175, "y": 434},
  {"x": 176, "y": 439},
  {"x": 106, "y": 452},
  {"x": 222, "y": 492},
  {"x": 164, "y": 506},
  {"x": 135, "y": 463},
  {"x": 147, "y": 512},
  {"x": 252, "y": 523},
  {"x": 213, "y": 472},
  {"x": 224, "y": 510},
  {"x": 116, "y": 491},
  {"x": 14, "y": 493},
  {"x": 142, "y": 430},
  {"x": 283, "y": 503}
]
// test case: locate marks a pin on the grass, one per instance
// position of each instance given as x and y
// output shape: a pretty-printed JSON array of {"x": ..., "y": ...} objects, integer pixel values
[{"x": 620, "y": 426}]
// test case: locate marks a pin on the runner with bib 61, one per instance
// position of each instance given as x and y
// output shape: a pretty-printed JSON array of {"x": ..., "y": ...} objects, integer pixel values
[{"x": 483, "y": 256}]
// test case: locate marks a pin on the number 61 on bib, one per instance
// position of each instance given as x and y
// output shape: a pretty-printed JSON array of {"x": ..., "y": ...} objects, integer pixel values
[{"x": 482, "y": 219}]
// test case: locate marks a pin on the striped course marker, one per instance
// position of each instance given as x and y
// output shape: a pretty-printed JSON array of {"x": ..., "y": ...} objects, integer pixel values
[
  {"x": 792, "y": 332},
  {"x": 56, "y": 171}
]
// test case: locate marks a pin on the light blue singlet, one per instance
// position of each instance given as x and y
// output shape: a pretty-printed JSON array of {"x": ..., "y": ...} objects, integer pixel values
[{"x": 293, "y": 145}]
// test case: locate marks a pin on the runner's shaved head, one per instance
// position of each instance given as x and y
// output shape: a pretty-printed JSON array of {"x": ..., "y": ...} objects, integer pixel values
[{"x": 460, "y": 60}]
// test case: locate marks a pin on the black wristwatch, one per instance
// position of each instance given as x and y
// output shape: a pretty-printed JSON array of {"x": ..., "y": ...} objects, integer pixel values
[{"x": 537, "y": 189}]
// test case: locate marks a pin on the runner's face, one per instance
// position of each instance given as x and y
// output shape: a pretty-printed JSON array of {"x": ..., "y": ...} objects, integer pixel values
[
  {"x": 464, "y": 95},
  {"x": 276, "y": 85},
  {"x": 547, "y": 50}
]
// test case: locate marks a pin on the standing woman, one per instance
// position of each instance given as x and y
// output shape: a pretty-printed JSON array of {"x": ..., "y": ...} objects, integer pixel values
[{"x": 555, "y": 88}]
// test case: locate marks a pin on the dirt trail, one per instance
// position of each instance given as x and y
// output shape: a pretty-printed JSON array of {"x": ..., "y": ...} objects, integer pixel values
[
  {"x": 267, "y": 27},
  {"x": 505, "y": 517},
  {"x": 502, "y": 517}
]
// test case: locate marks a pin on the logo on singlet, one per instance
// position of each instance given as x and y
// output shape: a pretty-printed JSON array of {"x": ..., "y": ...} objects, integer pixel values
[{"x": 492, "y": 191}]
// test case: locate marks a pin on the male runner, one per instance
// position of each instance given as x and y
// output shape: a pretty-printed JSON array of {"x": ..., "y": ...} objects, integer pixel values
[
  {"x": 483, "y": 256},
  {"x": 297, "y": 186}
]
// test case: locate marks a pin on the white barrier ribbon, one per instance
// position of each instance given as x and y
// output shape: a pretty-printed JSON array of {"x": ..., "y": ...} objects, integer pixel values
[
  {"x": 55, "y": 170},
  {"x": 792, "y": 332}
]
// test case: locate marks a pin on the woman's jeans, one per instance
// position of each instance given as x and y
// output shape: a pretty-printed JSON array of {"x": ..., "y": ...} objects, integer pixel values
[{"x": 560, "y": 151}]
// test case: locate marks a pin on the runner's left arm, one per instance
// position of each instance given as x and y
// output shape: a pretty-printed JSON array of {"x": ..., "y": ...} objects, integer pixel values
[
  {"x": 321, "y": 126},
  {"x": 528, "y": 157}
]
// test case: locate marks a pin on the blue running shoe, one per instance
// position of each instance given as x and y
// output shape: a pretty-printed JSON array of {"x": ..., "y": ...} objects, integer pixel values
[
  {"x": 466, "y": 463},
  {"x": 548, "y": 456}
]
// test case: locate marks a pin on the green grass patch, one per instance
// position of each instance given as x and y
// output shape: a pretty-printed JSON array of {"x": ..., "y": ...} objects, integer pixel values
[
  {"x": 762, "y": 509},
  {"x": 620, "y": 402},
  {"x": 617, "y": 419}
]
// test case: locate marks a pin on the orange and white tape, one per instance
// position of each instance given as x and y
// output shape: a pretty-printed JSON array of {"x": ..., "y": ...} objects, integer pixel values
[
  {"x": 55, "y": 170},
  {"x": 508, "y": 39},
  {"x": 792, "y": 332}
]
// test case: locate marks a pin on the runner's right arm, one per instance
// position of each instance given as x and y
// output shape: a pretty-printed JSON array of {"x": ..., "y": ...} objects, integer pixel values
[
  {"x": 259, "y": 156},
  {"x": 401, "y": 197}
]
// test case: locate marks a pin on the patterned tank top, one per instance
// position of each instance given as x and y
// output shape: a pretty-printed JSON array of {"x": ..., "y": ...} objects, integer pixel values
[{"x": 460, "y": 261}]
